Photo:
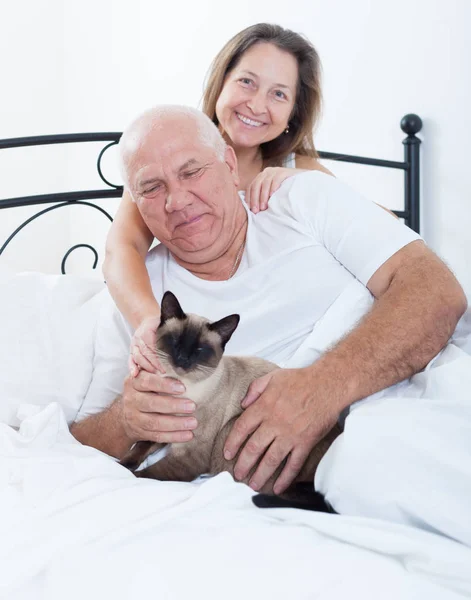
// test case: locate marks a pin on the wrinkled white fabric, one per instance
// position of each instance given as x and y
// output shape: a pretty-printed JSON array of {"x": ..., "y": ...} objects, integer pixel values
[
  {"x": 405, "y": 454},
  {"x": 74, "y": 524}
]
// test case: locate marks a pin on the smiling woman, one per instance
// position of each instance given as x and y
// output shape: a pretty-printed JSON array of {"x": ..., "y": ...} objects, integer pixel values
[
  {"x": 264, "y": 94},
  {"x": 254, "y": 106}
]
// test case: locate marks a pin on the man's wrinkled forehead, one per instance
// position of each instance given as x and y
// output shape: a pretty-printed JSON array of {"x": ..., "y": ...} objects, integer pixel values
[{"x": 166, "y": 149}]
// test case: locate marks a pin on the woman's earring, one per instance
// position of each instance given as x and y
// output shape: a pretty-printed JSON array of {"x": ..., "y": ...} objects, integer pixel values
[{"x": 287, "y": 129}]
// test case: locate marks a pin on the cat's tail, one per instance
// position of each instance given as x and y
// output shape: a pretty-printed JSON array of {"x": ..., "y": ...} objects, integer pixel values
[{"x": 300, "y": 496}]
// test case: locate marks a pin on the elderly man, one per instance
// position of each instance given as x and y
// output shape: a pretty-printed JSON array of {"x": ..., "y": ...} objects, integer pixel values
[{"x": 283, "y": 271}]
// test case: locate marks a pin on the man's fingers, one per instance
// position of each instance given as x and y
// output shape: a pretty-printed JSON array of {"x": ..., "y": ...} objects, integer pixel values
[
  {"x": 246, "y": 424},
  {"x": 256, "y": 389},
  {"x": 170, "y": 437},
  {"x": 291, "y": 470},
  {"x": 153, "y": 382},
  {"x": 167, "y": 405},
  {"x": 158, "y": 423},
  {"x": 252, "y": 452},
  {"x": 273, "y": 458}
]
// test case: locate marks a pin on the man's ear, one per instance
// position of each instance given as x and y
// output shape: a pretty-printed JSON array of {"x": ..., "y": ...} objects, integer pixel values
[{"x": 230, "y": 159}]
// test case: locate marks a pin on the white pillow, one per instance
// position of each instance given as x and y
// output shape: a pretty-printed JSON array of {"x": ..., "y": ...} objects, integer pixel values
[{"x": 47, "y": 329}]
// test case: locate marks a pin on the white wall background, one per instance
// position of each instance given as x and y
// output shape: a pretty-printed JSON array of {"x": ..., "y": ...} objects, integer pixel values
[{"x": 93, "y": 65}]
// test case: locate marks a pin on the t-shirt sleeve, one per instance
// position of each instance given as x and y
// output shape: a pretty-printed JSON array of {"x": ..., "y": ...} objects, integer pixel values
[
  {"x": 110, "y": 361},
  {"x": 357, "y": 232},
  {"x": 111, "y": 347}
]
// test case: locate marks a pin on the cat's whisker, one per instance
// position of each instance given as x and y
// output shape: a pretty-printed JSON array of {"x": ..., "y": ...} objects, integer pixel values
[{"x": 205, "y": 369}]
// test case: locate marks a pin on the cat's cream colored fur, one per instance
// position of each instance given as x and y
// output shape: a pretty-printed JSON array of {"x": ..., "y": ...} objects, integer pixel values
[{"x": 217, "y": 391}]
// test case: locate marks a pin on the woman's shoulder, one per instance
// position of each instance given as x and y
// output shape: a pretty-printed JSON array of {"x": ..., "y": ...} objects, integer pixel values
[{"x": 308, "y": 162}]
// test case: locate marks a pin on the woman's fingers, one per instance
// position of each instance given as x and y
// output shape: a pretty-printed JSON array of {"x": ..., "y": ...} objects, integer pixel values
[
  {"x": 141, "y": 360},
  {"x": 253, "y": 194},
  {"x": 143, "y": 346},
  {"x": 133, "y": 367}
]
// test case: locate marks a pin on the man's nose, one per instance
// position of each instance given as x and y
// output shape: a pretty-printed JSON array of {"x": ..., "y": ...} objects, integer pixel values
[
  {"x": 257, "y": 102},
  {"x": 177, "y": 199}
]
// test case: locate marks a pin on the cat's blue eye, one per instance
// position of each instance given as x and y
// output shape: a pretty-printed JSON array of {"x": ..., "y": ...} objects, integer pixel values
[{"x": 204, "y": 350}]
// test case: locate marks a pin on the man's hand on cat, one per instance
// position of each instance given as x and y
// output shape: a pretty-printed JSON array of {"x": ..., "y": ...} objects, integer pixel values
[
  {"x": 150, "y": 404},
  {"x": 142, "y": 354},
  {"x": 287, "y": 416}
]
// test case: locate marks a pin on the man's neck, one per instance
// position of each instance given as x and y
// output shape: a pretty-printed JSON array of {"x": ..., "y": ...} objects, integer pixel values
[{"x": 223, "y": 266}]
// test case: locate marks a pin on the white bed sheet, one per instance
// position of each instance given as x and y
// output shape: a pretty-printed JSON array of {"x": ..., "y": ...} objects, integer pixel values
[{"x": 75, "y": 524}]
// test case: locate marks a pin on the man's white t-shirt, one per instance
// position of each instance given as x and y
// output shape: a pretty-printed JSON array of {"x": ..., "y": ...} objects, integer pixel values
[{"x": 317, "y": 237}]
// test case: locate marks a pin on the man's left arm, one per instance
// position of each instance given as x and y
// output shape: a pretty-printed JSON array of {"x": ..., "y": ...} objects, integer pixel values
[{"x": 418, "y": 304}]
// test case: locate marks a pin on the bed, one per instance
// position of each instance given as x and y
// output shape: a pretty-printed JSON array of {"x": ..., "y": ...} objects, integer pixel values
[
  {"x": 75, "y": 524},
  {"x": 411, "y": 124}
]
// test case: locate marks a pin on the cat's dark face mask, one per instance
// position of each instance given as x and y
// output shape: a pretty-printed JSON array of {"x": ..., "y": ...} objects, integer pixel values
[{"x": 190, "y": 346}]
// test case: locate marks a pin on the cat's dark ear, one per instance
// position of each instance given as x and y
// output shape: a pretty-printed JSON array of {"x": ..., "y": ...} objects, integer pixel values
[
  {"x": 225, "y": 327},
  {"x": 170, "y": 308}
]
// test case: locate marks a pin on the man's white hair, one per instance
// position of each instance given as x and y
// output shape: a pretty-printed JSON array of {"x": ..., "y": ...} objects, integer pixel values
[{"x": 137, "y": 131}]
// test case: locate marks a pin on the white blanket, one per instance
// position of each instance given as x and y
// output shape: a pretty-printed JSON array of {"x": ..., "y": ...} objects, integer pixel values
[{"x": 74, "y": 524}]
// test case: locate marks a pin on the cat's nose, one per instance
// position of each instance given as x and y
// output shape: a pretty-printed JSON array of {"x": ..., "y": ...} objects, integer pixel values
[{"x": 184, "y": 362}]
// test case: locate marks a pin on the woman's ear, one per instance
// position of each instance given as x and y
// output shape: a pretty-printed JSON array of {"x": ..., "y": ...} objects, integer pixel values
[{"x": 230, "y": 159}]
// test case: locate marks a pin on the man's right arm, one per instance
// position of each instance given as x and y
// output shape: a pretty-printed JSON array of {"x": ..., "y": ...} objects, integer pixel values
[
  {"x": 104, "y": 431},
  {"x": 149, "y": 409}
]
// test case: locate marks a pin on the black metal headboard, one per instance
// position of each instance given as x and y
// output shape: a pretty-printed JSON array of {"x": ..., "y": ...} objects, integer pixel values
[{"x": 411, "y": 124}]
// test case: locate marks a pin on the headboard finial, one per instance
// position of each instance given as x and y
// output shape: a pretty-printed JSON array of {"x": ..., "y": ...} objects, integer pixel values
[{"x": 411, "y": 124}]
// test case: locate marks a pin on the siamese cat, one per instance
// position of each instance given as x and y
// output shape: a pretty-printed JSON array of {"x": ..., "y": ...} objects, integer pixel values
[{"x": 190, "y": 348}]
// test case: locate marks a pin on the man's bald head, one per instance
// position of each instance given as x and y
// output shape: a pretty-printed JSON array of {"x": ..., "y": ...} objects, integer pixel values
[{"x": 170, "y": 120}]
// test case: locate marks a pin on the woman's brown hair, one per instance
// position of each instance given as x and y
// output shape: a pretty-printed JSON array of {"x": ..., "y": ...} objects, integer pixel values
[{"x": 308, "y": 101}]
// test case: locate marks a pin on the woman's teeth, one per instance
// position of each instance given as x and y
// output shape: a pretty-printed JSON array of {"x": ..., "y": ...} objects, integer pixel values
[{"x": 248, "y": 121}]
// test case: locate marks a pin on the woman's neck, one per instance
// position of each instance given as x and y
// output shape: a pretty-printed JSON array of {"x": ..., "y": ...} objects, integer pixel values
[{"x": 250, "y": 164}]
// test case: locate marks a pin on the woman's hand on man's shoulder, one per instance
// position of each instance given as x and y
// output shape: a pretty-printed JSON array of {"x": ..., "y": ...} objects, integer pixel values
[
  {"x": 270, "y": 179},
  {"x": 265, "y": 185}
]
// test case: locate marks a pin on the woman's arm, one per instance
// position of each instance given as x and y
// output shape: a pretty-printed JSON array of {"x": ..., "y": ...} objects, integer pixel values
[
  {"x": 124, "y": 268},
  {"x": 310, "y": 164}
]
